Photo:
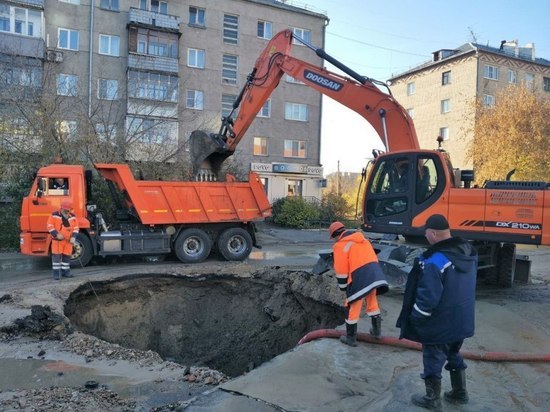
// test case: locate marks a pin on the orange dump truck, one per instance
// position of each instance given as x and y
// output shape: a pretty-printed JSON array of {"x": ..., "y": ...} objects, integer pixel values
[{"x": 150, "y": 217}]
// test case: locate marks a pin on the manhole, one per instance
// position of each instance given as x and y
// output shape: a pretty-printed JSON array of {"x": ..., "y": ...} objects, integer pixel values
[{"x": 228, "y": 323}]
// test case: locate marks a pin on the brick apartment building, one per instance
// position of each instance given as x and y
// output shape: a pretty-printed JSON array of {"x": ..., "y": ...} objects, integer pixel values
[
  {"x": 439, "y": 94},
  {"x": 143, "y": 74}
]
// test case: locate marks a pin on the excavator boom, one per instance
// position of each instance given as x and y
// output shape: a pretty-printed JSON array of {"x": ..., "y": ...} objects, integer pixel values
[{"x": 359, "y": 93}]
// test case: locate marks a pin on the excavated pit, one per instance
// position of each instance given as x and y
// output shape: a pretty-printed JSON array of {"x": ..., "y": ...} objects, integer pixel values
[{"x": 226, "y": 322}]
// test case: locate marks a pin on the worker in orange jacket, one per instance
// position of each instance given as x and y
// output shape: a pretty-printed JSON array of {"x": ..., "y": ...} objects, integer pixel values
[
  {"x": 360, "y": 275},
  {"x": 63, "y": 228}
]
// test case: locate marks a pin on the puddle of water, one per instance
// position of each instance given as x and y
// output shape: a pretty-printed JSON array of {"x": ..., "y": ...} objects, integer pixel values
[{"x": 271, "y": 254}]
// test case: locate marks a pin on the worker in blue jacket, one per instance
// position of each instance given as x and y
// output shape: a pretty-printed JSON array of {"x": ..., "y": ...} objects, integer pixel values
[{"x": 439, "y": 310}]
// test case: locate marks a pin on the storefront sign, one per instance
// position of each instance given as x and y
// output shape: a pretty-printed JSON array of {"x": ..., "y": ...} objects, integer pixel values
[{"x": 295, "y": 168}]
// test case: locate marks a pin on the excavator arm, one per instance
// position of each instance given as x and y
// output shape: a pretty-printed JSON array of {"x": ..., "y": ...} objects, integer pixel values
[{"x": 359, "y": 93}]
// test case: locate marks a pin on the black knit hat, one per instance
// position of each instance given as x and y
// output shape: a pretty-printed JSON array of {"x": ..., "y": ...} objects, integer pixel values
[{"x": 436, "y": 222}]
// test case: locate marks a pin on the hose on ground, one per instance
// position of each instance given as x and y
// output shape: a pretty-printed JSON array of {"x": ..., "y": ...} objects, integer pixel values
[{"x": 407, "y": 344}]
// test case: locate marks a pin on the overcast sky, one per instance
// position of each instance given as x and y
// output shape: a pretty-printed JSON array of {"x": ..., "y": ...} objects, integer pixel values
[{"x": 381, "y": 39}]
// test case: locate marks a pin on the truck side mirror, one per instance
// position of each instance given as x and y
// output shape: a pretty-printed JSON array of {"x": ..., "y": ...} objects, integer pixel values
[{"x": 41, "y": 186}]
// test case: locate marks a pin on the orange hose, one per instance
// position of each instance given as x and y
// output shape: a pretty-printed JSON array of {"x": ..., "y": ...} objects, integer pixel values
[{"x": 407, "y": 344}]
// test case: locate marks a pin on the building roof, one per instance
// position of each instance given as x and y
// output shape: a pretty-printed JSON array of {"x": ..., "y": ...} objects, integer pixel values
[
  {"x": 295, "y": 6},
  {"x": 524, "y": 54}
]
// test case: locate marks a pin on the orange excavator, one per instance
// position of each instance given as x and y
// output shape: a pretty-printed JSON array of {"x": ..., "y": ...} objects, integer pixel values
[{"x": 405, "y": 184}]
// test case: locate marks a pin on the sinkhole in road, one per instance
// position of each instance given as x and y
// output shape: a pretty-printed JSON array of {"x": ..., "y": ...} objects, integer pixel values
[{"x": 225, "y": 322}]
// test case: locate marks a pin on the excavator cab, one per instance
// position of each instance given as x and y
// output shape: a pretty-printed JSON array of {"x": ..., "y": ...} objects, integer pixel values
[{"x": 401, "y": 186}]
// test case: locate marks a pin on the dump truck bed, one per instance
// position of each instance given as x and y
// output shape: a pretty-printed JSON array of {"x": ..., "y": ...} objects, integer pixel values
[{"x": 166, "y": 202}]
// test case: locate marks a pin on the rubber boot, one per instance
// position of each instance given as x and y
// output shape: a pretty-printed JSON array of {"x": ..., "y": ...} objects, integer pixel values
[
  {"x": 351, "y": 335},
  {"x": 376, "y": 329},
  {"x": 458, "y": 382},
  {"x": 432, "y": 399}
]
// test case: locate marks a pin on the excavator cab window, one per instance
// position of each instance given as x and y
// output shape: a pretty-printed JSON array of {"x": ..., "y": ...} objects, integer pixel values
[
  {"x": 426, "y": 179},
  {"x": 391, "y": 180}
]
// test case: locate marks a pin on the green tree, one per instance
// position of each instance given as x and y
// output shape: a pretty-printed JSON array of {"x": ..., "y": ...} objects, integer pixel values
[{"x": 512, "y": 134}]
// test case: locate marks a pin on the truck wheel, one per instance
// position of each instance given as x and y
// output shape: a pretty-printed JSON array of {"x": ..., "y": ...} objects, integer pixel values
[
  {"x": 506, "y": 265},
  {"x": 82, "y": 251},
  {"x": 235, "y": 244},
  {"x": 192, "y": 246}
]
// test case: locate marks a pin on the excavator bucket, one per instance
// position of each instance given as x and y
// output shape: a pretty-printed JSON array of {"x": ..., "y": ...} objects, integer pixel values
[{"x": 208, "y": 152}]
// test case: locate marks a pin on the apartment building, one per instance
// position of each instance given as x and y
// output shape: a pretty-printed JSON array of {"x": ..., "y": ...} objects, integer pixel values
[
  {"x": 439, "y": 94},
  {"x": 135, "y": 77}
]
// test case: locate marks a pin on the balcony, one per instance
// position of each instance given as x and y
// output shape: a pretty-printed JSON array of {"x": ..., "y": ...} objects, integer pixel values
[
  {"x": 153, "y": 19},
  {"x": 157, "y": 63},
  {"x": 22, "y": 45},
  {"x": 35, "y": 3}
]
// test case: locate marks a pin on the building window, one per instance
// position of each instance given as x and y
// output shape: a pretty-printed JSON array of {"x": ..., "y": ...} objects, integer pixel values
[
  {"x": 107, "y": 89},
  {"x": 264, "y": 30},
  {"x": 295, "y": 148},
  {"x": 154, "y": 5},
  {"x": 488, "y": 100},
  {"x": 67, "y": 129},
  {"x": 512, "y": 77},
  {"x": 67, "y": 39},
  {"x": 21, "y": 76},
  {"x": 194, "y": 99},
  {"x": 445, "y": 106},
  {"x": 294, "y": 187},
  {"x": 109, "y": 45},
  {"x": 260, "y": 146},
  {"x": 546, "y": 84},
  {"x": 301, "y": 34},
  {"x": 227, "y": 104},
  {"x": 20, "y": 21},
  {"x": 296, "y": 111},
  {"x": 153, "y": 86},
  {"x": 490, "y": 72},
  {"x": 109, "y": 5},
  {"x": 230, "y": 29},
  {"x": 153, "y": 42},
  {"x": 446, "y": 78},
  {"x": 411, "y": 88},
  {"x": 106, "y": 132},
  {"x": 444, "y": 133},
  {"x": 70, "y": 1},
  {"x": 290, "y": 79},
  {"x": 229, "y": 69},
  {"x": 411, "y": 112},
  {"x": 151, "y": 131},
  {"x": 67, "y": 84},
  {"x": 196, "y": 16},
  {"x": 529, "y": 80},
  {"x": 265, "y": 111},
  {"x": 195, "y": 58}
]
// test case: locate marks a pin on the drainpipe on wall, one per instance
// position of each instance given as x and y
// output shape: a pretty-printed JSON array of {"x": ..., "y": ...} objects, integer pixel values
[{"x": 90, "y": 60}]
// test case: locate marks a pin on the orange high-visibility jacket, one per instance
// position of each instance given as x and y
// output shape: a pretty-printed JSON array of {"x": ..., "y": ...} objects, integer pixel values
[
  {"x": 67, "y": 227},
  {"x": 356, "y": 266}
]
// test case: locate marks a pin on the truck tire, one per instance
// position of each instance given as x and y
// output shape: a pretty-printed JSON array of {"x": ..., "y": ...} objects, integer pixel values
[
  {"x": 506, "y": 265},
  {"x": 82, "y": 251},
  {"x": 235, "y": 244},
  {"x": 192, "y": 246}
]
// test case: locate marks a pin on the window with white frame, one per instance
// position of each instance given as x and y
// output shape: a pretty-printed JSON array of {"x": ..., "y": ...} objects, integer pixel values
[
  {"x": 227, "y": 104},
  {"x": 20, "y": 21},
  {"x": 229, "y": 69},
  {"x": 230, "y": 29},
  {"x": 153, "y": 86},
  {"x": 109, "y": 45},
  {"x": 195, "y": 58},
  {"x": 295, "y": 148},
  {"x": 446, "y": 78},
  {"x": 444, "y": 133},
  {"x": 260, "y": 146},
  {"x": 490, "y": 72},
  {"x": 21, "y": 76},
  {"x": 410, "y": 111},
  {"x": 264, "y": 29},
  {"x": 67, "y": 39},
  {"x": 296, "y": 111},
  {"x": 153, "y": 42},
  {"x": 411, "y": 88},
  {"x": 265, "y": 111},
  {"x": 154, "y": 5},
  {"x": 109, "y": 5},
  {"x": 70, "y": 1},
  {"x": 302, "y": 34},
  {"x": 512, "y": 76},
  {"x": 194, "y": 99},
  {"x": 151, "y": 131},
  {"x": 67, "y": 84},
  {"x": 67, "y": 129},
  {"x": 106, "y": 132},
  {"x": 196, "y": 16},
  {"x": 529, "y": 79},
  {"x": 290, "y": 79},
  {"x": 488, "y": 100},
  {"x": 445, "y": 106},
  {"x": 107, "y": 89}
]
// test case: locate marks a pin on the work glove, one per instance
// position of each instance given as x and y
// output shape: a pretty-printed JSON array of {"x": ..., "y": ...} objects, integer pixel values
[
  {"x": 60, "y": 236},
  {"x": 72, "y": 240}
]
